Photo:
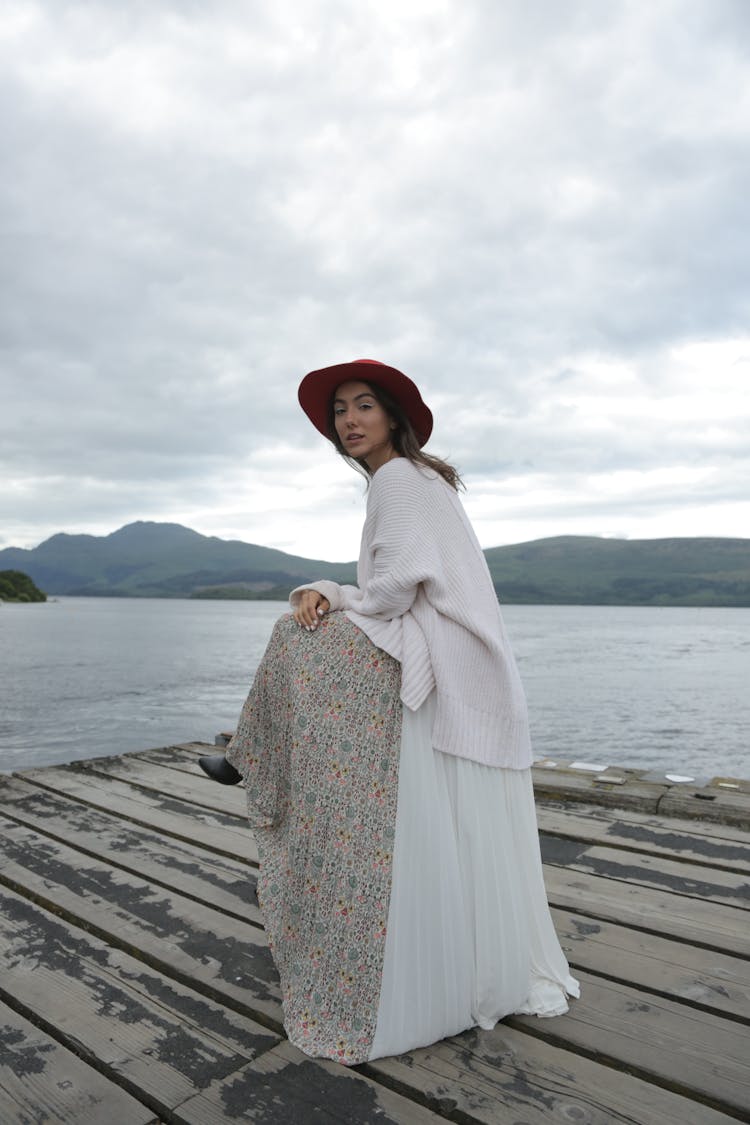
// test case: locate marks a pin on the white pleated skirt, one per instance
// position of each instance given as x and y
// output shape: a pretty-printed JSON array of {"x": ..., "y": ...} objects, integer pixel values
[{"x": 470, "y": 938}]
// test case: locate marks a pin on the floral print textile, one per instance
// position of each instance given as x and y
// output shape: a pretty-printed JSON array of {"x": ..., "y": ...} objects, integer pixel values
[{"x": 318, "y": 745}]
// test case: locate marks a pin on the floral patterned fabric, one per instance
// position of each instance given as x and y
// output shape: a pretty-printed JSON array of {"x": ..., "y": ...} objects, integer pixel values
[{"x": 318, "y": 745}]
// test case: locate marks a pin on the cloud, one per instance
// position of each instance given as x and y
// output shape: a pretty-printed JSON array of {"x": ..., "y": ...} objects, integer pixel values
[{"x": 538, "y": 210}]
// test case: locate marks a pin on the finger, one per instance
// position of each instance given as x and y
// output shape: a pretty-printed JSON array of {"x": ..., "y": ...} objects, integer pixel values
[
  {"x": 308, "y": 610},
  {"x": 307, "y": 615},
  {"x": 304, "y": 611}
]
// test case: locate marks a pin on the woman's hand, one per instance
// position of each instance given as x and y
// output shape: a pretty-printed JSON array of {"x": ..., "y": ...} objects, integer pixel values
[{"x": 310, "y": 608}]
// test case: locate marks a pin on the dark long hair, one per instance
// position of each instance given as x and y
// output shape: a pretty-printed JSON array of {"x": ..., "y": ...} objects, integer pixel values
[{"x": 405, "y": 441}]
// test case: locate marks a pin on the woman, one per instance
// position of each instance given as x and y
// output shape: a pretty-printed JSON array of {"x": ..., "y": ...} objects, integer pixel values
[{"x": 385, "y": 749}]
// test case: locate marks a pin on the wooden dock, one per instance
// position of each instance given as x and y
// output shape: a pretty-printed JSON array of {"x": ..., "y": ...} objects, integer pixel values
[{"x": 136, "y": 985}]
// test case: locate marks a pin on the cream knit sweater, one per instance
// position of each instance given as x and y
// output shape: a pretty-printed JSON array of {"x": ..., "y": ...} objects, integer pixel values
[{"x": 425, "y": 596}]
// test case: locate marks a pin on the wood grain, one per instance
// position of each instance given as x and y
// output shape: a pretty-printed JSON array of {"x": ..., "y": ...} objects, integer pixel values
[{"x": 132, "y": 955}]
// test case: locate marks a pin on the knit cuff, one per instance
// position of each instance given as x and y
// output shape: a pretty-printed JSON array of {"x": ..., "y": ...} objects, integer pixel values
[{"x": 328, "y": 589}]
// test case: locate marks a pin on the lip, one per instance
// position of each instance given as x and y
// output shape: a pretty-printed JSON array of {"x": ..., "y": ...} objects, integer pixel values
[{"x": 354, "y": 438}]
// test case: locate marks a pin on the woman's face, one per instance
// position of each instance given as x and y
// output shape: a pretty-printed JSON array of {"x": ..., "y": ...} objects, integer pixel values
[{"x": 363, "y": 427}]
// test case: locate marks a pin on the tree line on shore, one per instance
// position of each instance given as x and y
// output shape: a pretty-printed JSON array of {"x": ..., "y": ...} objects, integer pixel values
[{"x": 15, "y": 586}]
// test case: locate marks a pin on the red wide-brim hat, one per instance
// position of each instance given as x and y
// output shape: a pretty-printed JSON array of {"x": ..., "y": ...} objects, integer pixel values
[{"x": 317, "y": 387}]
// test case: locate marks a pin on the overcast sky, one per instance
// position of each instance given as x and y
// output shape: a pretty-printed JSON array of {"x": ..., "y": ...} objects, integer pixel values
[{"x": 538, "y": 209}]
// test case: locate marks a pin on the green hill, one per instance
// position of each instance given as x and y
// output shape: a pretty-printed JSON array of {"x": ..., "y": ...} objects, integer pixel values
[
  {"x": 168, "y": 560},
  {"x": 15, "y": 586},
  {"x": 585, "y": 570},
  {"x": 165, "y": 560}
]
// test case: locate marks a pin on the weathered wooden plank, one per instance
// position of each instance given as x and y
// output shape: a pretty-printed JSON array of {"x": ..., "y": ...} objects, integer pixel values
[
  {"x": 573, "y": 785},
  {"x": 115, "y": 1012},
  {"x": 217, "y": 954},
  {"x": 684, "y": 845},
  {"x": 577, "y": 1088},
  {"x": 42, "y": 1081},
  {"x": 696, "y": 1053},
  {"x": 710, "y": 803},
  {"x": 180, "y": 757},
  {"x": 692, "y": 825},
  {"x": 193, "y": 786},
  {"x": 224, "y": 883},
  {"x": 706, "y": 924},
  {"x": 286, "y": 1086},
  {"x": 58, "y": 946},
  {"x": 720, "y": 781},
  {"x": 724, "y": 887},
  {"x": 505, "y": 1075},
  {"x": 624, "y": 954},
  {"x": 192, "y": 749},
  {"x": 682, "y": 918},
  {"x": 714, "y": 981},
  {"x": 683, "y": 840},
  {"x": 723, "y": 800},
  {"x": 184, "y": 820},
  {"x": 591, "y": 911}
]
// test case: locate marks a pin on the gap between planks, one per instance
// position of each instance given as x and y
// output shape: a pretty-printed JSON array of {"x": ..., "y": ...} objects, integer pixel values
[
  {"x": 580, "y": 928},
  {"x": 581, "y": 821},
  {"x": 145, "y": 773},
  {"x": 642, "y": 898},
  {"x": 223, "y": 996}
]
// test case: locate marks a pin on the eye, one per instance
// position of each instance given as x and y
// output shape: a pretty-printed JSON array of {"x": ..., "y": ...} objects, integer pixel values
[{"x": 338, "y": 410}]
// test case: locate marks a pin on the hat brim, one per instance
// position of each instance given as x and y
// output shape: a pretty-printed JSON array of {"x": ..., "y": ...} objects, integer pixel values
[{"x": 317, "y": 387}]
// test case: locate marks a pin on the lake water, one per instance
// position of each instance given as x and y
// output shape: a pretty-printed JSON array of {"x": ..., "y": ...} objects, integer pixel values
[{"x": 662, "y": 688}]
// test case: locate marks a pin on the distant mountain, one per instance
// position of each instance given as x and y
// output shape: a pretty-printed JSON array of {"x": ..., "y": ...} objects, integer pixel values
[
  {"x": 585, "y": 570},
  {"x": 168, "y": 560},
  {"x": 164, "y": 560}
]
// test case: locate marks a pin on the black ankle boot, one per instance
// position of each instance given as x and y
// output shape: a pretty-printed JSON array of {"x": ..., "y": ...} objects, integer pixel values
[{"x": 219, "y": 769}]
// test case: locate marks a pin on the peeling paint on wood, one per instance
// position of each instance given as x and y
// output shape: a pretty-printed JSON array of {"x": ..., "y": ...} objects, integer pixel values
[
  {"x": 128, "y": 933},
  {"x": 645, "y": 870},
  {"x": 285, "y": 1087},
  {"x": 42, "y": 1083}
]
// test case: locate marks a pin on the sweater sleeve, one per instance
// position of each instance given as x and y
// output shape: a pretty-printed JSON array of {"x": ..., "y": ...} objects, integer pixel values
[
  {"x": 401, "y": 550},
  {"x": 401, "y": 554},
  {"x": 331, "y": 590}
]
